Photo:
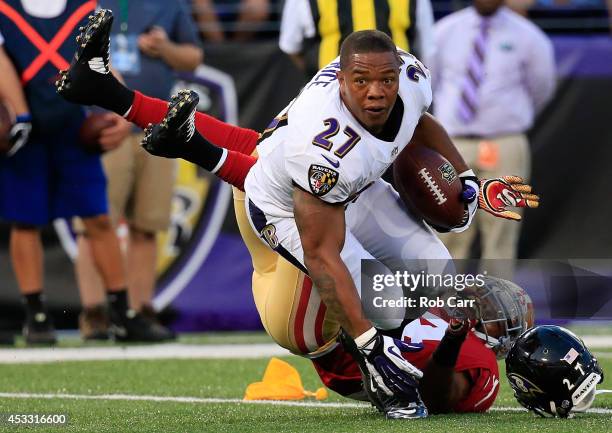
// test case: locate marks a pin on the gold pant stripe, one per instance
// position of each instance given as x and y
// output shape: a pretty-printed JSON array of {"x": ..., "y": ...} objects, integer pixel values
[{"x": 278, "y": 288}]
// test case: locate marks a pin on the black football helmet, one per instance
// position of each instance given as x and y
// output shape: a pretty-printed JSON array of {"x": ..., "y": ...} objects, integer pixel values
[{"x": 552, "y": 372}]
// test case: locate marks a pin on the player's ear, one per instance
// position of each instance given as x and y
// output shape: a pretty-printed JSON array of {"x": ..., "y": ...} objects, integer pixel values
[{"x": 340, "y": 76}]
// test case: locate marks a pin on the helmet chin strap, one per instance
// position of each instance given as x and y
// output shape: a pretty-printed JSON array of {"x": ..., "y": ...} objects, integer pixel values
[{"x": 491, "y": 342}]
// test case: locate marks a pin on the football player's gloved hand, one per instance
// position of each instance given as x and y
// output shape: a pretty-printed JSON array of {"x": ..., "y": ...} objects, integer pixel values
[
  {"x": 387, "y": 367},
  {"x": 496, "y": 195},
  {"x": 469, "y": 195},
  {"x": 20, "y": 132}
]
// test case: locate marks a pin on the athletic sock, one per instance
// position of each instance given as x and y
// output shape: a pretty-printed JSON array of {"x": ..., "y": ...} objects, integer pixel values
[
  {"x": 145, "y": 110},
  {"x": 235, "y": 168},
  {"x": 117, "y": 98},
  {"x": 118, "y": 301},
  {"x": 228, "y": 165},
  {"x": 34, "y": 302},
  {"x": 202, "y": 152}
]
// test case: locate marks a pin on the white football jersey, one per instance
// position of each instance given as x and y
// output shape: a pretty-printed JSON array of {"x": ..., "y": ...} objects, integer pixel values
[{"x": 315, "y": 143}]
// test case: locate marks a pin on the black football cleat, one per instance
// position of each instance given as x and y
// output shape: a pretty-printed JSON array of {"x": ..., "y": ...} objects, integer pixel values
[
  {"x": 38, "y": 329},
  {"x": 88, "y": 77},
  {"x": 170, "y": 137},
  {"x": 149, "y": 313},
  {"x": 131, "y": 326}
]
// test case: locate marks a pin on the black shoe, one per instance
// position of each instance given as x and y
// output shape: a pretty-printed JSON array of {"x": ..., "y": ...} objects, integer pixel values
[
  {"x": 7, "y": 338},
  {"x": 88, "y": 78},
  {"x": 169, "y": 137},
  {"x": 151, "y": 315},
  {"x": 94, "y": 323},
  {"x": 38, "y": 328},
  {"x": 133, "y": 326}
]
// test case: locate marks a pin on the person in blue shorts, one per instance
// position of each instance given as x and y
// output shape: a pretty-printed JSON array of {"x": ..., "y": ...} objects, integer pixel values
[{"x": 47, "y": 174}]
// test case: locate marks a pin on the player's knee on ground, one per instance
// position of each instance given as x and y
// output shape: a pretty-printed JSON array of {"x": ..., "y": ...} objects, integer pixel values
[{"x": 340, "y": 373}]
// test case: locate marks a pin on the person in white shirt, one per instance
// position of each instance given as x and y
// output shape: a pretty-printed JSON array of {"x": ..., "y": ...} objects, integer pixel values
[
  {"x": 311, "y": 32},
  {"x": 493, "y": 71}
]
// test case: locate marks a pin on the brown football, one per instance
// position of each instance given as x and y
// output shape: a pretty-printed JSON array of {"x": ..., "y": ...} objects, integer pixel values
[
  {"x": 429, "y": 185},
  {"x": 7, "y": 120},
  {"x": 90, "y": 131}
]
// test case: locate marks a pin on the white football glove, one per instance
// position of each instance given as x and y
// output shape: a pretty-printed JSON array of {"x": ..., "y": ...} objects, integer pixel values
[{"x": 469, "y": 196}]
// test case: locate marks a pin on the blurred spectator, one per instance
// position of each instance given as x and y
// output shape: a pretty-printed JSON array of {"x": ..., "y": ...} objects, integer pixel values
[
  {"x": 51, "y": 176},
  {"x": 150, "y": 40},
  {"x": 243, "y": 17},
  {"x": 492, "y": 73},
  {"x": 311, "y": 32}
]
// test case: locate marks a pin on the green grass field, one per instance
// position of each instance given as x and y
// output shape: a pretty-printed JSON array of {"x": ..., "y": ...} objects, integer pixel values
[{"x": 58, "y": 388}]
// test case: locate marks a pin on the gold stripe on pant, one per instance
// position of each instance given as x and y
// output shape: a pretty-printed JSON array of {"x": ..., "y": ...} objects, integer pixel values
[{"x": 289, "y": 309}]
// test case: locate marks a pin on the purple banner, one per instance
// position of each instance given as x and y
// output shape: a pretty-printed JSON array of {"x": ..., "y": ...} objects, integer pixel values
[{"x": 583, "y": 56}]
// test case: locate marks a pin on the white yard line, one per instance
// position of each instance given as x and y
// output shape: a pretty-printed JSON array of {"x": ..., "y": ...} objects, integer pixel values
[
  {"x": 597, "y": 341},
  {"x": 184, "y": 351},
  {"x": 156, "y": 351},
  {"x": 199, "y": 400}
]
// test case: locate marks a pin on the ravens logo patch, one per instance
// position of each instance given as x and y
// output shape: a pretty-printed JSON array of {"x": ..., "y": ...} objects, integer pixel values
[
  {"x": 322, "y": 179},
  {"x": 524, "y": 386}
]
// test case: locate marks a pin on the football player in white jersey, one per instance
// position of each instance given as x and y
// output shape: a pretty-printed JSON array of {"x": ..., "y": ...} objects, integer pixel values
[
  {"x": 332, "y": 144},
  {"x": 329, "y": 146}
]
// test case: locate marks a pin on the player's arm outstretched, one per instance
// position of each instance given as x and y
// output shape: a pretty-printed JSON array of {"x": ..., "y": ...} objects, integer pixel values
[
  {"x": 441, "y": 386},
  {"x": 322, "y": 232}
]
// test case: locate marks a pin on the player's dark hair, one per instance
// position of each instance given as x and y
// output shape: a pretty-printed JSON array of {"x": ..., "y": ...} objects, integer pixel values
[{"x": 365, "y": 41}]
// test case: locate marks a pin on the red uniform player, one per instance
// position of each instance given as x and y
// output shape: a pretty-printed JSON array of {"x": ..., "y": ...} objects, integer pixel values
[{"x": 504, "y": 311}]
